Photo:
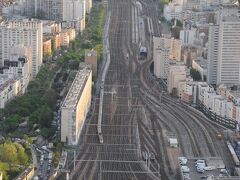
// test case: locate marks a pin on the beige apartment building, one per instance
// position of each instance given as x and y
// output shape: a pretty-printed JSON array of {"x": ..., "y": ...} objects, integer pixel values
[
  {"x": 76, "y": 105},
  {"x": 47, "y": 47},
  {"x": 164, "y": 51},
  {"x": 91, "y": 58}
]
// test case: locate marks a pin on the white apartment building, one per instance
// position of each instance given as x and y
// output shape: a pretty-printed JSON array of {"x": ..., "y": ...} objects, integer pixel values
[
  {"x": 19, "y": 65},
  {"x": 229, "y": 51},
  {"x": 26, "y": 32},
  {"x": 172, "y": 11},
  {"x": 224, "y": 47},
  {"x": 74, "y": 9},
  {"x": 59, "y": 10},
  {"x": 194, "y": 91},
  {"x": 177, "y": 73},
  {"x": 9, "y": 88},
  {"x": 76, "y": 105},
  {"x": 212, "y": 57},
  {"x": 187, "y": 36},
  {"x": 16, "y": 74},
  {"x": 160, "y": 58}
]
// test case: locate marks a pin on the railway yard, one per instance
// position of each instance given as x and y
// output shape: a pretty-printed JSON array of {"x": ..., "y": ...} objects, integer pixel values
[{"x": 136, "y": 114}]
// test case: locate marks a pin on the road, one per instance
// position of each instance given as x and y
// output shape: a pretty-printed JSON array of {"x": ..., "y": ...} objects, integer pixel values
[{"x": 136, "y": 116}]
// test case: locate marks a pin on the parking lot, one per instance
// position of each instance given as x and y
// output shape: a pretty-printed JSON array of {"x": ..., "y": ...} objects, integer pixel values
[{"x": 213, "y": 167}]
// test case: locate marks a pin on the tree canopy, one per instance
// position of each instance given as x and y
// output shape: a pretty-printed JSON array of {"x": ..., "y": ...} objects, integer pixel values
[{"x": 195, "y": 75}]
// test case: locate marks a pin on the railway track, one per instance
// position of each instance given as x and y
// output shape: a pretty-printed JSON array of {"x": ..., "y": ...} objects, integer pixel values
[
  {"x": 126, "y": 129},
  {"x": 118, "y": 156}
]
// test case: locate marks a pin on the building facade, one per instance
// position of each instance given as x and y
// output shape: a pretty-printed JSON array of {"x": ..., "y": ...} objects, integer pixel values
[
  {"x": 26, "y": 32},
  {"x": 47, "y": 47},
  {"x": 177, "y": 74},
  {"x": 229, "y": 51},
  {"x": 91, "y": 58},
  {"x": 224, "y": 47},
  {"x": 16, "y": 74},
  {"x": 212, "y": 56},
  {"x": 164, "y": 51},
  {"x": 76, "y": 105}
]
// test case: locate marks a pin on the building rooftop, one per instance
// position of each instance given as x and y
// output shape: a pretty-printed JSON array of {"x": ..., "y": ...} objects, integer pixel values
[
  {"x": 77, "y": 86},
  {"x": 25, "y": 173},
  {"x": 201, "y": 62}
]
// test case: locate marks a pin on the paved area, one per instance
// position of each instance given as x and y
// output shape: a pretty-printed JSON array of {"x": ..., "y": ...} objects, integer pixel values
[{"x": 197, "y": 176}]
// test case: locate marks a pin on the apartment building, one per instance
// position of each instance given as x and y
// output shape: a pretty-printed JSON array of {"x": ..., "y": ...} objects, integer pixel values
[
  {"x": 71, "y": 33},
  {"x": 161, "y": 62},
  {"x": 188, "y": 36},
  {"x": 224, "y": 47},
  {"x": 177, "y": 74},
  {"x": 47, "y": 47},
  {"x": 164, "y": 51},
  {"x": 91, "y": 58},
  {"x": 228, "y": 70},
  {"x": 213, "y": 41},
  {"x": 16, "y": 74},
  {"x": 76, "y": 105},
  {"x": 64, "y": 38},
  {"x": 26, "y": 32},
  {"x": 9, "y": 88},
  {"x": 173, "y": 11}
]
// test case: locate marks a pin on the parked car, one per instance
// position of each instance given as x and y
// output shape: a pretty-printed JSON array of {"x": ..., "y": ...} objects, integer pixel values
[{"x": 185, "y": 169}]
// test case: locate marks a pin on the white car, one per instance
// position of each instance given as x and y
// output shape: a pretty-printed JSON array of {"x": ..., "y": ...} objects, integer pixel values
[
  {"x": 200, "y": 169},
  {"x": 208, "y": 168},
  {"x": 185, "y": 169},
  {"x": 200, "y": 164},
  {"x": 223, "y": 171},
  {"x": 183, "y": 160},
  {"x": 186, "y": 176},
  {"x": 199, "y": 161}
]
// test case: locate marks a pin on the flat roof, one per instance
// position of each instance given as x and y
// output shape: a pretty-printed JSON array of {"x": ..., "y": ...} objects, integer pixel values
[{"x": 77, "y": 86}]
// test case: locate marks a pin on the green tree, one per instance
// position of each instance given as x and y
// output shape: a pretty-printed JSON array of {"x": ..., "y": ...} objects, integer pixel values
[
  {"x": 27, "y": 139},
  {"x": 21, "y": 155},
  {"x": 51, "y": 97},
  {"x": 12, "y": 122},
  {"x": 4, "y": 167},
  {"x": 195, "y": 75},
  {"x": 8, "y": 153}
]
